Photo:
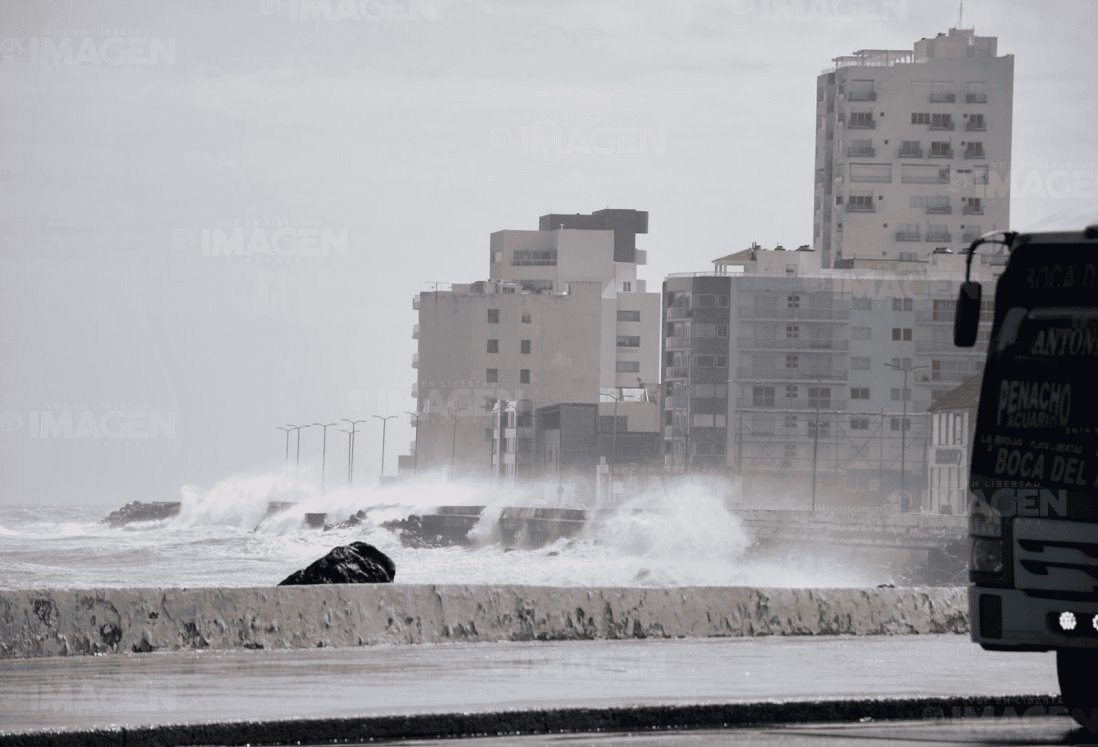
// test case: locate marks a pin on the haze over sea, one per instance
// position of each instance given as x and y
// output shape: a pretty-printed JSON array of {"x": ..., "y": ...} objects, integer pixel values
[{"x": 688, "y": 537}]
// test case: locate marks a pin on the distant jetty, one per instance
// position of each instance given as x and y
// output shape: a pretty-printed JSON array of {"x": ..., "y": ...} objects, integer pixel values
[{"x": 142, "y": 511}]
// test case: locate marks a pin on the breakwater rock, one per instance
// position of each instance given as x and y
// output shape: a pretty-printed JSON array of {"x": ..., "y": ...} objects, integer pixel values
[
  {"x": 356, "y": 563},
  {"x": 142, "y": 511},
  {"x": 95, "y": 621}
]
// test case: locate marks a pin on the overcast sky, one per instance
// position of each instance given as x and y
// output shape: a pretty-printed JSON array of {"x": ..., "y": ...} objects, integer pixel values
[{"x": 398, "y": 134}]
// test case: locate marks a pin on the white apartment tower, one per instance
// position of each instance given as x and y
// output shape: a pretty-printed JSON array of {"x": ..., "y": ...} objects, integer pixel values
[
  {"x": 912, "y": 148},
  {"x": 562, "y": 318}
]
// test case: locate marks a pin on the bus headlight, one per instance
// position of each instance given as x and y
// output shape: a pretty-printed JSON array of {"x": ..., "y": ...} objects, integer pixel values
[{"x": 987, "y": 555}]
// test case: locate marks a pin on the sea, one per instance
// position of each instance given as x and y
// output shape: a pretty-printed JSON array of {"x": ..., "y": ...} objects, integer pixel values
[{"x": 687, "y": 535}]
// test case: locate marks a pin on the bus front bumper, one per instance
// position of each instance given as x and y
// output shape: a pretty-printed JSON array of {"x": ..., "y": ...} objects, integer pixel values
[{"x": 1009, "y": 619}]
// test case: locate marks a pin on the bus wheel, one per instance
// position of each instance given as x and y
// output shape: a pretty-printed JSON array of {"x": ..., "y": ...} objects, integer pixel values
[{"x": 1077, "y": 670}]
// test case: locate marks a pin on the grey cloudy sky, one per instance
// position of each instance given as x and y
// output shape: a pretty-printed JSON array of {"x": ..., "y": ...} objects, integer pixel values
[{"x": 403, "y": 136}]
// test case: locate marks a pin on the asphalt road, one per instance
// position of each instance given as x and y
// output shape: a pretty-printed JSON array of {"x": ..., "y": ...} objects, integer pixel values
[{"x": 203, "y": 687}]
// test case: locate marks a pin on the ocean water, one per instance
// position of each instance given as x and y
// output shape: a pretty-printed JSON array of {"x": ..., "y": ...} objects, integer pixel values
[{"x": 688, "y": 536}]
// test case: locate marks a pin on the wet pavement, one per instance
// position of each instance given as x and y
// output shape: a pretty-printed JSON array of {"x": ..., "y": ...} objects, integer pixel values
[{"x": 203, "y": 687}]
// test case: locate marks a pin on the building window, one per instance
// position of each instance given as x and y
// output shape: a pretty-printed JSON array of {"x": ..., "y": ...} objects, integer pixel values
[
  {"x": 792, "y": 331},
  {"x": 762, "y": 396},
  {"x": 860, "y": 333},
  {"x": 704, "y": 300},
  {"x": 627, "y": 286},
  {"x": 859, "y": 393},
  {"x": 524, "y": 376},
  {"x": 861, "y": 120},
  {"x": 941, "y": 121},
  {"x": 493, "y": 346},
  {"x": 861, "y": 303},
  {"x": 534, "y": 257},
  {"x": 860, "y": 203},
  {"x": 492, "y": 376},
  {"x": 722, "y": 330},
  {"x": 896, "y": 394},
  {"x": 628, "y": 315},
  {"x": 819, "y": 397},
  {"x": 628, "y": 341},
  {"x": 901, "y": 334},
  {"x": 524, "y": 347},
  {"x": 489, "y": 404},
  {"x": 526, "y": 318},
  {"x": 859, "y": 424},
  {"x": 894, "y": 424},
  {"x": 941, "y": 149},
  {"x": 790, "y": 422},
  {"x": 493, "y": 316},
  {"x": 791, "y": 392},
  {"x": 901, "y": 363},
  {"x": 824, "y": 427},
  {"x": 790, "y": 450},
  {"x": 792, "y": 361},
  {"x": 920, "y": 118},
  {"x": 792, "y": 302},
  {"x": 901, "y": 304},
  {"x": 722, "y": 302},
  {"x": 858, "y": 363},
  {"x": 628, "y": 367}
]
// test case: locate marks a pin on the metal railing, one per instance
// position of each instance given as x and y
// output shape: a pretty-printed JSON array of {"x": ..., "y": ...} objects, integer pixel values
[
  {"x": 836, "y": 314},
  {"x": 910, "y": 153},
  {"x": 975, "y": 98},
  {"x": 908, "y": 236},
  {"x": 943, "y": 98},
  {"x": 785, "y": 343}
]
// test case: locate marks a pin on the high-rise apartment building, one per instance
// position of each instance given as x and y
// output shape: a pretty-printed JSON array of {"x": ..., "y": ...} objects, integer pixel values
[
  {"x": 776, "y": 369},
  {"x": 912, "y": 148},
  {"x": 562, "y": 318}
]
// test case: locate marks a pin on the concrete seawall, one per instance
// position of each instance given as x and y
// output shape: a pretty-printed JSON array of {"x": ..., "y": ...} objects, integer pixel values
[{"x": 94, "y": 621}]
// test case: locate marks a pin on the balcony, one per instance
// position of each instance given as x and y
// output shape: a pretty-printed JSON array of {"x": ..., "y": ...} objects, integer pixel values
[
  {"x": 785, "y": 343},
  {"x": 908, "y": 236},
  {"x": 415, "y": 331},
  {"x": 678, "y": 312},
  {"x": 942, "y": 153},
  {"x": 838, "y": 314},
  {"x": 855, "y": 207},
  {"x": 940, "y": 237},
  {"x": 943, "y": 98},
  {"x": 862, "y": 153},
  {"x": 976, "y": 98},
  {"x": 975, "y": 153},
  {"x": 971, "y": 209},
  {"x": 678, "y": 343},
  {"x": 677, "y": 372},
  {"x": 942, "y": 177},
  {"x": 975, "y": 126},
  {"x": 910, "y": 153},
  {"x": 862, "y": 124},
  {"x": 942, "y": 125},
  {"x": 415, "y": 302},
  {"x": 939, "y": 209},
  {"x": 861, "y": 96},
  {"x": 807, "y": 377},
  {"x": 415, "y": 360}
]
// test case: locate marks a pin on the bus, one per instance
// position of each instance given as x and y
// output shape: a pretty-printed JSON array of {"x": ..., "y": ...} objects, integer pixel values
[{"x": 1033, "y": 503}]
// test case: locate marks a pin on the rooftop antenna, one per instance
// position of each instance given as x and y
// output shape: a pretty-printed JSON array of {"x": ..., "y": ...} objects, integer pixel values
[{"x": 961, "y": 16}]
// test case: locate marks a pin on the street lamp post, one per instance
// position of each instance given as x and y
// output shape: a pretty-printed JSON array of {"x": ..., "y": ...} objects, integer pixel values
[
  {"x": 286, "y": 459},
  {"x": 297, "y": 459},
  {"x": 415, "y": 455},
  {"x": 349, "y": 435},
  {"x": 351, "y": 452},
  {"x": 903, "y": 422},
  {"x": 453, "y": 435},
  {"x": 324, "y": 454},
  {"x": 384, "y": 422}
]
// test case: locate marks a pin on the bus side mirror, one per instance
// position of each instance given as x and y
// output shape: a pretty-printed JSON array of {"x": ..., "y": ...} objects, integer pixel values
[{"x": 967, "y": 320}]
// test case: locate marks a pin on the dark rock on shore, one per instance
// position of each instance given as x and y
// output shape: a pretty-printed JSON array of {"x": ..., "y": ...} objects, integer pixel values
[
  {"x": 141, "y": 511},
  {"x": 356, "y": 563},
  {"x": 358, "y": 518}
]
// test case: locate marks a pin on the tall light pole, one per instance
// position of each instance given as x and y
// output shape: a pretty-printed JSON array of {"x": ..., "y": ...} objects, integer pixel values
[
  {"x": 453, "y": 435},
  {"x": 297, "y": 461},
  {"x": 351, "y": 452},
  {"x": 349, "y": 435},
  {"x": 286, "y": 458},
  {"x": 903, "y": 422},
  {"x": 324, "y": 453},
  {"x": 815, "y": 435},
  {"x": 384, "y": 422},
  {"x": 613, "y": 440},
  {"x": 415, "y": 455}
]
